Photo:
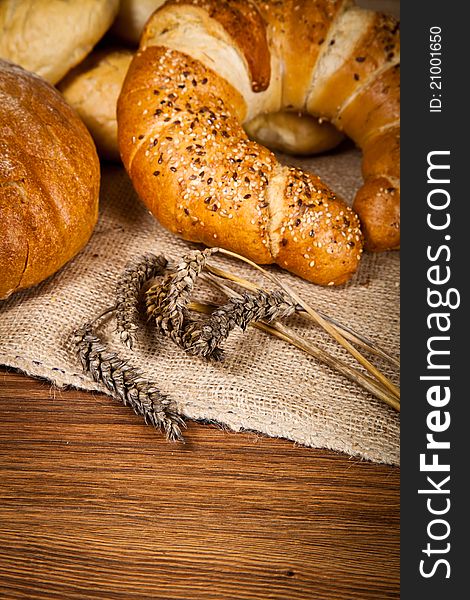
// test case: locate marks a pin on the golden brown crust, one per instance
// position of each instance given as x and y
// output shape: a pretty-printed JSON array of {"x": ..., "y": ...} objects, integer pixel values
[
  {"x": 362, "y": 73},
  {"x": 318, "y": 232},
  {"x": 373, "y": 108},
  {"x": 238, "y": 17},
  {"x": 49, "y": 180},
  {"x": 377, "y": 49},
  {"x": 147, "y": 83},
  {"x": 378, "y": 205},
  {"x": 299, "y": 28},
  {"x": 194, "y": 167}
]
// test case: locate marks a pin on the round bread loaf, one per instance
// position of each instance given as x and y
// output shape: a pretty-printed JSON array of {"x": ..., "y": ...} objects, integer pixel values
[
  {"x": 92, "y": 88},
  {"x": 49, "y": 180},
  {"x": 49, "y": 37}
]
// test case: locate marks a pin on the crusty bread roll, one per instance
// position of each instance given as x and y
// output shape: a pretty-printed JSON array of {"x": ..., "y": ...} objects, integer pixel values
[
  {"x": 293, "y": 133},
  {"x": 327, "y": 58},
  {"x": 284, "y": 131},
  {"x": 92, "y": 88},
  {"x": 49, "y": 180},
  {"x": 49, "y": 37}
]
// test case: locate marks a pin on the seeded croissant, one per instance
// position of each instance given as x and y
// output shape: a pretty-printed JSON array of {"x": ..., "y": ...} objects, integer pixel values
[{"x": 206, "y": 67}]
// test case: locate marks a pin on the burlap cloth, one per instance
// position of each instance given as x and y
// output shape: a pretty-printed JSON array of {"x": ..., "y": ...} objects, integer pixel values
[{"x": 264, "y": 384}]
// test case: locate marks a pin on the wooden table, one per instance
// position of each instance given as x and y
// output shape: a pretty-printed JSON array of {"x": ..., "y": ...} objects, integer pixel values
[{"x": 93, "y": 504}]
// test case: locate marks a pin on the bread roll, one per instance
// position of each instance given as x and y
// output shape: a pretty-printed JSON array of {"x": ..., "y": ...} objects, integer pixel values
[
  {"x": 49, "y": 180},
  {"x": 49, "y": 37},
  {"x": 92, "y": 89},
  {"x": 181, "y": 140},
  {"x": 197, "y": 78}
]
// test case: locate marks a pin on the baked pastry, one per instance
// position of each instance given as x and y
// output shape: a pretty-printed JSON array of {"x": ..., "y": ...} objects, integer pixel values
[
  {"x": 285, "y": 131},
  {"x": 92, "y": 88},
  {"x": 49, "y": 180},
  {"x": 197, "y": 78},
  {"x": 49, "y": 37}
]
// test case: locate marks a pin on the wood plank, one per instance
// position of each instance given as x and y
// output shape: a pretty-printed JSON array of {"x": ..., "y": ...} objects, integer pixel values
[{"x": 93, "y": 504}]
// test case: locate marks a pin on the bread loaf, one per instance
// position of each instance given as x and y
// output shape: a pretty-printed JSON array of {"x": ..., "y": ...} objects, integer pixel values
[
  {"x": 49, "y": 37},
  {"x": 92, "y": 88},
  {"x": 49, "y": 180},
  {"x": 198, "y": 77}
]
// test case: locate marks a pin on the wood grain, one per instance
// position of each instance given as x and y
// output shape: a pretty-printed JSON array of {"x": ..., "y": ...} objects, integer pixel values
[{"x": 93, "y": 504}]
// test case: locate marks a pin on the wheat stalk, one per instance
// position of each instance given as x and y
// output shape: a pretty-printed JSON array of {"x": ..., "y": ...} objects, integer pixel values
[
  {"x": 385, "y": 381},
  {"x": 282, "y": 332},
  {"x": 166, "y": 302},
  {"x": 128, "y": 293},
  {"x": 167, "y": 306},
  {"x": 125, "y": 382},
  {"x": 348, "y": 333},
  {"x": 204, "y": 339}
]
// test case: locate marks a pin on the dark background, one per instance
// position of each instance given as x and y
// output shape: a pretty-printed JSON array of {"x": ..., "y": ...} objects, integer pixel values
[{"x": 423, "y": 132}]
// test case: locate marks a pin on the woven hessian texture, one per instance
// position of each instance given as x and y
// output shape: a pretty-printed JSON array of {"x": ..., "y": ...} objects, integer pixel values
[{"x": 264, "y": 384}]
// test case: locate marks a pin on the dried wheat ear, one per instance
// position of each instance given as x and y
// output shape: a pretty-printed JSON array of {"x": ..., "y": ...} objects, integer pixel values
[
  {"x": 126, "y": 382},
  {"x": 168, "y": 306},
  {"x": 128, "y": 289}
]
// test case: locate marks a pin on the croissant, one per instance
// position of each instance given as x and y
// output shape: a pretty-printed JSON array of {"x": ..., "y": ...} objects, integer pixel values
[
  {"x": 285, "y": 131},
  {"x": 206, "y": 67}
]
